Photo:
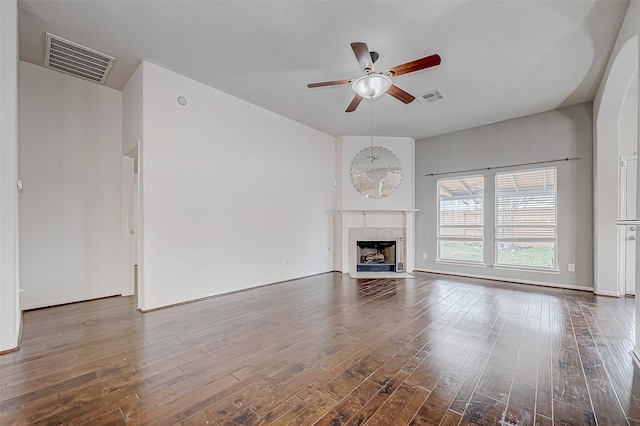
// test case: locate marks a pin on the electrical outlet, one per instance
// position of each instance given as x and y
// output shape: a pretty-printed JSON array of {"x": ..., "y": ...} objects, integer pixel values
[
  {"x": 424, "y": 255},
  {"x": 571, "y": 267},
  {"x": 289, "y": 261},
  {"x": 169, "y": 277}
]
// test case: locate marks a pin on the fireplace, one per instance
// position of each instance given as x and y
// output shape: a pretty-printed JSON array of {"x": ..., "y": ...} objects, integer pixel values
[
  {"x": 376, "y": 256},
  {"x": 374, "y": 225}
]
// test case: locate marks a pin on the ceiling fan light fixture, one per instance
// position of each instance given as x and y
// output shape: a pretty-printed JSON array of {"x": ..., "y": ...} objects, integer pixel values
[{"x": 371, "y": 85}]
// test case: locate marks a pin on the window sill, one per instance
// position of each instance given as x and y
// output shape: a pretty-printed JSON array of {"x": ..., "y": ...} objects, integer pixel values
[
  {"x": 461, "y": 263},
  {"x": 527, "y": 269}
]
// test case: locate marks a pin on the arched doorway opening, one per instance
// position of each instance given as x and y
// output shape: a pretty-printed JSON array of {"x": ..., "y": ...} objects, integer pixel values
[{"x": 607, "y": 159}]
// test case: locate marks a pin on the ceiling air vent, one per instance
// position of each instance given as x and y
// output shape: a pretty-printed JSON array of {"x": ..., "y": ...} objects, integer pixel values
[
  {"x": 434, "y": 95},
  {"x": 71, "y": 58}
]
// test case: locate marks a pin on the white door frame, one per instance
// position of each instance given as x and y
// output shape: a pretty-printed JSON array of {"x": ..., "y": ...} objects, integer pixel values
[
  {"x": 622, "y": 229},
  {"x": 129, "y": 175},
  {"x": 127, "y": 182}
]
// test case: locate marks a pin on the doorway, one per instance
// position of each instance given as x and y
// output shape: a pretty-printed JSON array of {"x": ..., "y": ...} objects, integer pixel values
[
  {"x": 133, "y": 233},
  {"x": 131, "y": 241},
  {"x": 608, "y": 151},
  {"x": 627, "y": 233}
]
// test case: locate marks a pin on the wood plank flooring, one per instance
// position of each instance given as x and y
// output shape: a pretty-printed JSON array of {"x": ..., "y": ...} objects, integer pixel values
[{"x": 330, "y": 350}]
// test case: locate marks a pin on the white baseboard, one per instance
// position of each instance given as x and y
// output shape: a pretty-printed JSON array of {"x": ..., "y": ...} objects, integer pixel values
[
  {"x": 607, "y": 293},
  {"x": 11, "y": 346},
  {"x": 64, "y": 301},
  {"x": 509, "y": 280}
]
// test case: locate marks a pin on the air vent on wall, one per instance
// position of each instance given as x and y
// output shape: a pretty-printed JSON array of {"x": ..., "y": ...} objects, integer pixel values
[
  {"x": 72, "y": 58},
  {"x": 434, "y": 95}
]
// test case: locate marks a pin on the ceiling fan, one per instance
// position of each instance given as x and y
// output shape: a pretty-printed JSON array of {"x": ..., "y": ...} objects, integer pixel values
[{"x": 372, "y": 84}]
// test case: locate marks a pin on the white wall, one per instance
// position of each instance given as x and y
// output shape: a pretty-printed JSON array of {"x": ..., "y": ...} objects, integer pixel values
[
  {"x": 628, "y": 125},
  {"x": 132, "y": 112},
  {"x": 348, "y": 198},
  {"x": 71, "y": 206},
  {"x": 556, "y": 134},
  {"x": 9, "y": 295},
  {"x": 229, "y": 192}
]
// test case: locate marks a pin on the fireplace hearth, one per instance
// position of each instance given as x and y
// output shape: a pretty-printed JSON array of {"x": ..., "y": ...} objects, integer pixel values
[{"x": 376, "y": 256}]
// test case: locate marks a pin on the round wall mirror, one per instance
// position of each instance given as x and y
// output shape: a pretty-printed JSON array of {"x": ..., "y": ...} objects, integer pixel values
[{"x": 376, "y": 172}]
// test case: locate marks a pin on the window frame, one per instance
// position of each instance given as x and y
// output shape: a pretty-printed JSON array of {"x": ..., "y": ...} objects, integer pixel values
[
  {"x": 440, "y": 237},
  {"x": 497, "y": 227}
]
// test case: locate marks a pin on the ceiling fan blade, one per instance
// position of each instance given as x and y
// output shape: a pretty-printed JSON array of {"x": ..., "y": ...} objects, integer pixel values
[
  {"x": 400, "y": 94},
  {"x": 364, "y": 57},
  {"x": 354, "y": 103},
  {"x": 329, "y": 83},
  {"x": 417, "y": 65}
]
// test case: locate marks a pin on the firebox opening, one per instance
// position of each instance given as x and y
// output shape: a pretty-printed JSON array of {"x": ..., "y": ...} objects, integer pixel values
[{"x": 376, "y": 256}]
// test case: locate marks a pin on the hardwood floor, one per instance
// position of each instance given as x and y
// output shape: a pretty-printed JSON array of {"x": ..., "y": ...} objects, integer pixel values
[{"x": 329, "y": 350}]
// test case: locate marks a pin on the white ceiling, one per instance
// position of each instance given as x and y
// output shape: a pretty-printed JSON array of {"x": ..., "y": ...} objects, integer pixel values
[{"x": 500, "y": 59}]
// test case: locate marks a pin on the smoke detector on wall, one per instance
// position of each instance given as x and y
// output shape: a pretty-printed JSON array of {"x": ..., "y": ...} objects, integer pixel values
[
  {"x": 72, "y": 58},
  {"x": 432, "y": 96}
]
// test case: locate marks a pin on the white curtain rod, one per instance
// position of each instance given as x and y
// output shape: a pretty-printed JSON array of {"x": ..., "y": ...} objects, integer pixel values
[{"x": 502, "y": 167}]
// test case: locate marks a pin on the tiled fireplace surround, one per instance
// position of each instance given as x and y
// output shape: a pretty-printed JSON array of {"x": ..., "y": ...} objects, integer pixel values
[{"x": 374, "y": 225}]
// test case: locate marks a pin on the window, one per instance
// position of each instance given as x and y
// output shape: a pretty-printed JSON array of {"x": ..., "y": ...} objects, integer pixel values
[
  {"x": 461, "y": 219},
  {"x": 526, "y": 229}
]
